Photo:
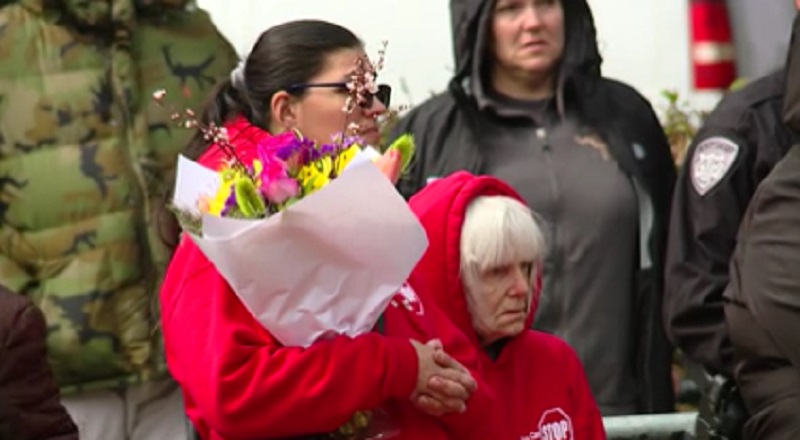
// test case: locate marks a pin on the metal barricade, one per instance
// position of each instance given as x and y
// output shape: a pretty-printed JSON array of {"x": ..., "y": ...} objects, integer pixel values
[{"x": 677, "y": 426}]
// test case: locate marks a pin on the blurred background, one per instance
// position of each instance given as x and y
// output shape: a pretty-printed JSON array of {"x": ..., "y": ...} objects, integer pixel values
[{"x": 645, "y": 43}]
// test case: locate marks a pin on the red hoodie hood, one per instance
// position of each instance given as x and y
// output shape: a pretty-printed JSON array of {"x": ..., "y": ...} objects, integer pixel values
[{"x": 441, "y": 207}]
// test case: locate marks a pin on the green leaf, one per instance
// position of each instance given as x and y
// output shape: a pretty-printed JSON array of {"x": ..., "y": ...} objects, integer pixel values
[
  {"x": 406, "y": 146},
  {"x": 248, "y": 199},
  {"x": 189, "y": 222}
]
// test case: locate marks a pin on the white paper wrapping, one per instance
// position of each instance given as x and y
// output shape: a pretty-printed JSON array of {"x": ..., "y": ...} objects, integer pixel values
[{"x": 329, "y": 264}]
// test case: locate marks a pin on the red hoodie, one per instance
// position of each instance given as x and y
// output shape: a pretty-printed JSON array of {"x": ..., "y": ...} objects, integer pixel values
[
  {"x": 240, "y": 383},
  {"x": 537, "y": 380}
]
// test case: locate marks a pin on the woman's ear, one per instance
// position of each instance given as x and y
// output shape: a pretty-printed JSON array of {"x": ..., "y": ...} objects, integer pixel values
[{"x": 283, "y": 111}]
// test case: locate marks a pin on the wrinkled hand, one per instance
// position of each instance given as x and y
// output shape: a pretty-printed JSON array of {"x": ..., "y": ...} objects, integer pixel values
[
  {"x": 443, "y": 385},
  {"x": 390, "y": 164}
]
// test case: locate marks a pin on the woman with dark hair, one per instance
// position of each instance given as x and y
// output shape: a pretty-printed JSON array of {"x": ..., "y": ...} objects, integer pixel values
[{"x": 238, "y": 381}]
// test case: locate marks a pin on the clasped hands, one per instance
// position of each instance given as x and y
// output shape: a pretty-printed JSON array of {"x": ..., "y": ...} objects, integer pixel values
[{"x": 443, "y": 384}]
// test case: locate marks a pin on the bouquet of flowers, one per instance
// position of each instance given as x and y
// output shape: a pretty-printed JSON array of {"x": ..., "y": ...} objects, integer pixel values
[
  {"x": 288, "y": 169},
  {"x": 314, "y": 239}
]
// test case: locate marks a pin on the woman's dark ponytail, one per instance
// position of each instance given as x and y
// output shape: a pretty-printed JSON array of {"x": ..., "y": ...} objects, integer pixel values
[{"x": 224, "y": 102}]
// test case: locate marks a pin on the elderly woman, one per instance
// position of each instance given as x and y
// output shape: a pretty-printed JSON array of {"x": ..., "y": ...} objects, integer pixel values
[{"x": 479, "y": 281}]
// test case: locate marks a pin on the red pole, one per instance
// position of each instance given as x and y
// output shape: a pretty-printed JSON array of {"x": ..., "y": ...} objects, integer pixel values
[{"x": 712, "y": 52}]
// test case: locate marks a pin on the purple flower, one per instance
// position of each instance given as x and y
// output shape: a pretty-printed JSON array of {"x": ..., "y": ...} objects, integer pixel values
[
  {"x": 230, "y": 203},
  {"x": 344, "y": 141},
  {"x": 328, "y": 149},
  {"x": 283, "y": 145},
  {"x": 309, "y": 155}
]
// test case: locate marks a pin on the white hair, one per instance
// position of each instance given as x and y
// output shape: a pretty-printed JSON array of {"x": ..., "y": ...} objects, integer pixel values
[{"x": 497, "y": 231}]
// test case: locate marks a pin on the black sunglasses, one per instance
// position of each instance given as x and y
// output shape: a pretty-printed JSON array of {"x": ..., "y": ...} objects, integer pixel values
[{"x": 384, "y": 93}]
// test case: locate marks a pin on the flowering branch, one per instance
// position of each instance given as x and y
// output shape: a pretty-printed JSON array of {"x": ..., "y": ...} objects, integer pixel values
[{"x": 212, "y": 133}]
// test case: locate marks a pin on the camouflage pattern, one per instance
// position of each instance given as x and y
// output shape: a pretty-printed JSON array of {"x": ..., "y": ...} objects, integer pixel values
[{"x": 84, "y": 160}]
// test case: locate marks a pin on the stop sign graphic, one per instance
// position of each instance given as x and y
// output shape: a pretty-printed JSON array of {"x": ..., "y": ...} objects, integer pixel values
[{"x": 555, "y": 424}]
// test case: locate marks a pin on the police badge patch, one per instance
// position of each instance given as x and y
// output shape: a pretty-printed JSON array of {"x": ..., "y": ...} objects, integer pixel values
[{"x": 712, "y": 160}]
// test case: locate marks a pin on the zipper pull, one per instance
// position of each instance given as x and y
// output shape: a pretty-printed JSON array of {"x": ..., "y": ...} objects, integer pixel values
[{"x": 541, "y": 134}]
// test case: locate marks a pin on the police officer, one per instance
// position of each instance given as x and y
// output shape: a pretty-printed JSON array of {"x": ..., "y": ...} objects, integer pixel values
[
  {"x": 739, "y": 144},
  {"x": 762, "y": 304}
]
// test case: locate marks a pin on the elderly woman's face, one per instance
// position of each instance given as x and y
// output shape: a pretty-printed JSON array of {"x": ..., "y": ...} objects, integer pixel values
[
  {"x": 499, "y": 300},
  {"x": 528, "y": 35}
]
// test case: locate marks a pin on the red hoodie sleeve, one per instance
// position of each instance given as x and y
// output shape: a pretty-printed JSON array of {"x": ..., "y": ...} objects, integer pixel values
[
  {"x": 587, "y": 421},
  {"x": 475, "y": 422},
  {"x": 242, "y": 384}
]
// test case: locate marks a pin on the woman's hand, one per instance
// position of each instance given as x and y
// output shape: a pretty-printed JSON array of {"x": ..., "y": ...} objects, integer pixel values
[{"x": 443, "y": 385}]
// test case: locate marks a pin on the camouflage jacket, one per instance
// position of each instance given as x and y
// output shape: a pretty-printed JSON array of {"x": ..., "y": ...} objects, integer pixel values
[{"x": 84, "y": 159}]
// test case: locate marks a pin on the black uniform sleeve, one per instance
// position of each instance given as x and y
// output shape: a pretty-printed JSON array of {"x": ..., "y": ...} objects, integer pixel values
[{"x": 704, "y": 222}]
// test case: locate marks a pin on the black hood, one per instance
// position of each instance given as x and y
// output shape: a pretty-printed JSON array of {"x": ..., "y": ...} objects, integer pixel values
[
  {"x": 791, "y": 99},
  {"x": 470, "y": 25}
]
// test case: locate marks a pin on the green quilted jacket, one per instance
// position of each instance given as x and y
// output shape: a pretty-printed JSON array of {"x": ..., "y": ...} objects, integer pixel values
[{"x": 85, "y": 157}]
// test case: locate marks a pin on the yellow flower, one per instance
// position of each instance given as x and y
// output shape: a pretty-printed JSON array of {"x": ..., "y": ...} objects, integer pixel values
[
  {"x": 344, "y": 158},
  {"x": 227, "y": 176},
  {"x": 315, "y": 175},
  {"x": 258, "y": 167},
  {"x": 217, "y": 204}
]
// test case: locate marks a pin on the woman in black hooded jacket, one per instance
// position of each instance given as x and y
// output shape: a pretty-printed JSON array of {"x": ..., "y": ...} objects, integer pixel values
[{"x": 528, "y": 105}]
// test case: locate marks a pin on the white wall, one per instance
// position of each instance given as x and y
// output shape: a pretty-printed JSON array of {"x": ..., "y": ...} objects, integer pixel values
[
  {"x": 643, "y": 42},
  {"x": 418, "y": 32},
  {"x": 761, "y": 31}
]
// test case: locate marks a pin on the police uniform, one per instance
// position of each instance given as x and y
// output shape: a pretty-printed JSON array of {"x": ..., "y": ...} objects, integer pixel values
[
  {"x": 761, "y": 301},
  {"x": 740, "y": 143},
  {"x": 762, "y": 304}
]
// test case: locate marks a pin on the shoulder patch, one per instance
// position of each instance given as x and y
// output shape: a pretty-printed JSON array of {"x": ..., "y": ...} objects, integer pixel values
[{"x": 711, "y": 162}]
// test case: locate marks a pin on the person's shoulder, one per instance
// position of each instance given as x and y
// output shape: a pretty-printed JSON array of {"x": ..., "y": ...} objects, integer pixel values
[
  {"x": 430, "y": 110},
  {"x": 622, "y": 92},
  {"x": 767, "y": 88},
  {"x": 12, "y": 304},
  {"x": 621, "y": 101},
  {"x": 17, "y": 313},
  {"x": 629, "y": 110},
  {"x": 735, "y": 106},
  {"x": 10, "y": 299}
]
